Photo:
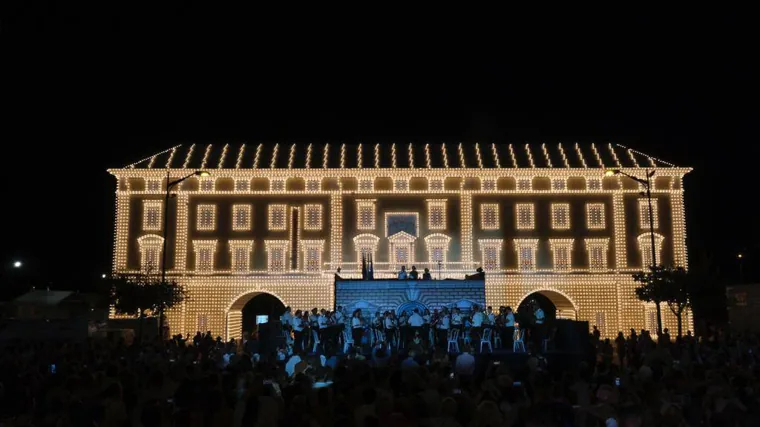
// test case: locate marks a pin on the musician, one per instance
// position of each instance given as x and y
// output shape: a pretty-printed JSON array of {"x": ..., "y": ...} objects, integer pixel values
[
  {"x": 286, "y": 319},
  {"x": 403, "y": 328},
  {"x": 415, "y": 323},
  {"x": 357, "y": 328},
  {"x": 298, "y": 327},
  {"x": 339, "y": 316},
  {"x": 426, "y": 319},
  {"x": 477, "y": 323},
  {"x": 539, "y": 331},
  {"x": 457, "y": 321},
  {"x": 378, "y": 324},
  {"x": 490, "y": 316},
  {"x": 509, "y": 327},
  {"x": 443, "y": 325},
  {"x": 390, "y": 326}
]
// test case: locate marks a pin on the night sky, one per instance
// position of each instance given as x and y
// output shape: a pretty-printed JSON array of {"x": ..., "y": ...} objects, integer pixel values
[{"x": 83, "y": 94}]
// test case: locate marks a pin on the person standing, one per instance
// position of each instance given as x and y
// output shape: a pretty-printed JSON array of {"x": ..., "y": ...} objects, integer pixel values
[
  {"x": 413, "y": 275},
  {"x": 357, "y": 328},
  {"x": 509, "y": 328},
  {"x": 539, "y": 331},
  {"x": 402, "y": 274},
  {"x": 298, "y": 327},
  {"x": 477, "y": 323},
  {"x": 415, "y": 323},
  {"x": 426, "y": 275},
  {"x": 443, "y": 325}
]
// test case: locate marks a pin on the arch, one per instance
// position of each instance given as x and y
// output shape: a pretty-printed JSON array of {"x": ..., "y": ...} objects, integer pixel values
[
  {"x": 560, "y": 299},
  {"x": 243, "y": 298},
  {"x": 234, "y": 312},
  {"x": 409, "y": 307}
]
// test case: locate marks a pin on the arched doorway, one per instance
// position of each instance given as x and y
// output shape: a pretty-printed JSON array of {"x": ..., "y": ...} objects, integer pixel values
[
  {"x": 243, "y": 312},
  {"x": 555, "y": 305}
]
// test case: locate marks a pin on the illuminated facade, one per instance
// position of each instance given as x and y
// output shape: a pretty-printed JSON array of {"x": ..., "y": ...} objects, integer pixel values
[{"x": 281, "y": 218}]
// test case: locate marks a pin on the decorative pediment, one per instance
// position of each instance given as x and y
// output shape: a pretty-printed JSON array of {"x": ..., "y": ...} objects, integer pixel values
[
  {"x": 402, "y": 237},
  {"x": 437, "y": 238}
]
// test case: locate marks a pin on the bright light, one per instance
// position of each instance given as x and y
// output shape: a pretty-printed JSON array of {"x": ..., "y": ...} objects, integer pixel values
[
  {"x": 611, "y": 172},
  {"x": 202, "y": 173},
  {"x": 103, "y": 275},
  {"x": 17, "y": 264},
  {"x": 740, "y": 256}
]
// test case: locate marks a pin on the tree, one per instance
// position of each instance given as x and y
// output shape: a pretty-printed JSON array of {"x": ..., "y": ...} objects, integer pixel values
[
  {"x": 665, "y": 284},
  {"x": 652, "y": 289},
  {"x": 143, "y": 294}
]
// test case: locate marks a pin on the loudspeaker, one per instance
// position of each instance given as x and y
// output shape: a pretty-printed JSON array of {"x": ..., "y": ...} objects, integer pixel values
[
  {"x": 270, "y": 337},
  {"x": 571, "y": 336}
]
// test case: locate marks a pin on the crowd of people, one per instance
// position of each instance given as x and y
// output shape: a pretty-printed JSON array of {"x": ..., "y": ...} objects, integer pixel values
[
  {"x": 634, "y": 380},
  {"x": 330, "y": 331}
]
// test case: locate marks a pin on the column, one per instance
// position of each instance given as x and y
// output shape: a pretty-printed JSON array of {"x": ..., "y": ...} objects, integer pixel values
[
  {"x": 618, "y": 217},
  {"x": 180, "y": 250},
  {"x": 466, "y": 224},
  {"x": 121, "y": 231},
  {"x": 680, "y": 258},
  {"x": 336, "y": 225}
]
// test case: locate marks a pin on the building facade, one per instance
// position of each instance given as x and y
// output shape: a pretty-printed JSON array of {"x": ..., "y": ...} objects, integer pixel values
[{"x": 282, "y": 218}]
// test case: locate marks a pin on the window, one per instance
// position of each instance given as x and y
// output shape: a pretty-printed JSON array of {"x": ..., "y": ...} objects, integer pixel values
[
  {"x": 593, "y": 184},
  {"x": 645, "y": 246},
  {"x": 278, "y": 185},
  {"x": 436, "y": 185},
  {"x": 205, "y": 251},
  {"x": 559, "y": 184},
  {"x": 438, "y": 247},
  {"x": 524, "y": 184},
  {"x": 207, "y": 184},
  {"x": 401, "y": 184},
  {"x": 401, "y": 248},
  {"x": 312, "y": 255},
  {"x": 241, "y": 217},
  {"x": 151, "y": 246},
  {"x": 436, "y": 214},
  {"x": 490, "y": 250},
  {"x": 561, "y": 216},
  {"x": 312, "y": 185},
  {"x": 206, "y": 220},
  {"x": 597, "y": 253},
  {"x": 242, "y": 185},
  {"x": 366, "y": 184},
  {"x": 277, "y": 255},
  {"x": 561, "y": 250},
  {"x": 365, "y": 214},
  {"x": 278, "y": 220},
  {"x": 489, "y": 184},
  {"x": 154, "y": 185},
  {"x": 152, "y": 215},
  {"x": 525, "y": 216},
  {"x": 489, "y": 216},
  {"x": 644, "y": 214},
  {"x": 526, "y": 253},
  {"x": 366, "y": 246},
  {"x": 601, "y": 322},
  {"x": 240, "y": 252},
  {"x": 313, "y": 217},
  {"x": 595, "y": 216}
]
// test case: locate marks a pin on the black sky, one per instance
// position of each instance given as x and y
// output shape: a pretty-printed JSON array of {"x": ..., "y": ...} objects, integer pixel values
[{"x": 86, "y": 90}]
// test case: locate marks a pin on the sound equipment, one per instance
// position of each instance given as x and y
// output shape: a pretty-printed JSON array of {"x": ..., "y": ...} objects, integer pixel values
[
  {"x": 270, "y": 338},
  {"x": 571, "y": 336}
]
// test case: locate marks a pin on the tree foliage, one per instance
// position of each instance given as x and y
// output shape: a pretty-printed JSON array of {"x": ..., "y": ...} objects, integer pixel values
[
  {"x": 669, "y": 285},
  {"x": 143, "y": 294}
]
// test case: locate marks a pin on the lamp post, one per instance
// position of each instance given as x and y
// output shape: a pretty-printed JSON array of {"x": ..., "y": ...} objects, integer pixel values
[
  {"x": 740, "y": 257},
  {"x": 646, "y": 182},
  {"x": 169, "y": 185}
]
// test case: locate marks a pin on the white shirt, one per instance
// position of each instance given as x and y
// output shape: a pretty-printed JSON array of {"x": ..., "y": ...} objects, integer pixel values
[
  {"x": 477, "y": 319},
  {"x": 415, "y": 320},
  {"x": 298, "y": 324},
  {"x": 389, "y": 323},
  {"x": 491, "y": 318},
  {"x": 402, "y": 274},
  {"x": 286, "y": 318},
  {"x": 465, "y": 364},
  {"x": 509, "y": 320},
  {"x": 403, "y": 321},
  {"x": 456, "y": 319},
  {"x": 539, "y": 316},
  {"x": 426, "y": 319},
  {"x": 356, "y": 322},
  {"x": 339, "y": 317},
  {"x": 322, "y": 321},
  {"x": 290, "y": 366},
  {"x": 444, "y": 323}
]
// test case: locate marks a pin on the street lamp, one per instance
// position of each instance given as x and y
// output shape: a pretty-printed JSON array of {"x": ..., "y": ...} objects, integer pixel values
[
  {"x": 169, "y": 185},
  {"x": 740, "y": 257},
  {"x": 646, "y": 182},
  {"x": 17, "y": 264}
]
